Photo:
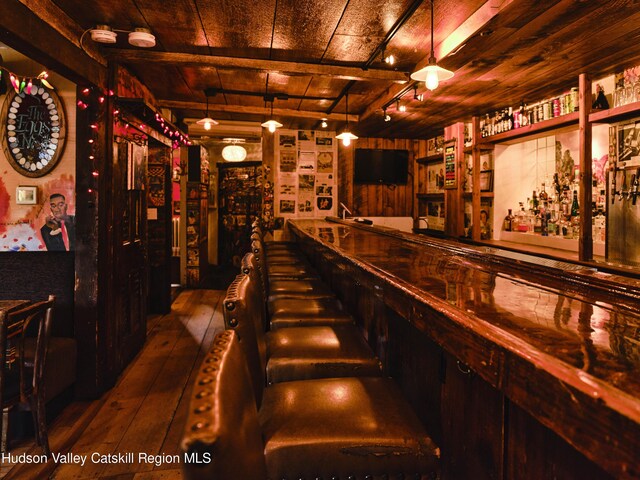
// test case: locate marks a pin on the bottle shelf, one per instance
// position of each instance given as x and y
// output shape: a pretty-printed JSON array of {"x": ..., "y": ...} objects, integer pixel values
[
  {"x": 430, "y": 196},
  {"x": 434, "y": 158},
  {"x": 552, "y": 124},
  {"x": 616, "y": 114},
  {"x": 482, "y": 194}
]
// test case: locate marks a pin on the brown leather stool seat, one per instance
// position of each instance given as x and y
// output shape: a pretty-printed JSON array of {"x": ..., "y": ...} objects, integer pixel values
[
  {"x": 326, "y": 428},
  {"x": 294, "y": 312},
  {"x": 295, "y": 353}
]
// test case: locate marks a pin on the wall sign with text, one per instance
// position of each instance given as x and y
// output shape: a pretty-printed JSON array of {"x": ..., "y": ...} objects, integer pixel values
[
  {"x": 450, "y": 164},
  {"x": 33, "y": 131}
]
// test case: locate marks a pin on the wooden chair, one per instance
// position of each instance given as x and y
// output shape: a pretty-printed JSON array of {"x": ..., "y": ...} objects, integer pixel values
[
  {"x": 329, "y": 428},
  {"x": 22, "y": 378}
]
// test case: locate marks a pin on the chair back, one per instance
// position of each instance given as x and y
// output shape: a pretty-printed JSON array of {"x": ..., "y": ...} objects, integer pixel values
[
  {"x": 257, "y": 249},
  {"x": 222, "y": 430},
  {"x": 243, "y": 312},
  {"x": 36, "y": 318},
  {"x": 249, "y": 266}
]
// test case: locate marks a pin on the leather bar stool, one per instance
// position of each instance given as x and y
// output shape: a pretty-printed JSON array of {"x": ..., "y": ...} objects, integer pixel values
[
  {"x": 296, "y": 353},
  {"x": 295, "y": 311},
  {"x": 344, "y": 428}
]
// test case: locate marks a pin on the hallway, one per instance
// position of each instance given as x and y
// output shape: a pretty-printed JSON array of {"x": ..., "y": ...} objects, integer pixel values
[{"x": 144, "y": 412}]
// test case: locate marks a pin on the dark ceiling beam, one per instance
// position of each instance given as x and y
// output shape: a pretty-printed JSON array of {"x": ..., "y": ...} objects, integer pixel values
[
  {"x": 22, "y": 29},
  {"x": 65, "y": 26},
  {"x": 278, "y": 112},
  {"x": 287, "y": 68},
  {"x": 454, "y": 42}
]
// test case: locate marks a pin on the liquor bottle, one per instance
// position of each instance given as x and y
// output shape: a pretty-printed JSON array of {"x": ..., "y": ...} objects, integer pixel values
[
  {"x": 507, "y": 225},
  {"x": 552, "y": 223},
  {"x": 523, "y": 226},
  {"x": 510, "y": 119},
  {"x": 537, "y": 223},
  {"x": 575, "y": 207},
  {"x": 543, "y": 196},
  {"x": 544, "y": 219},
  {"x": 534, "y": 203},
  {"x": 565, "y": 203},
  {"x": 556, "y": 185}
]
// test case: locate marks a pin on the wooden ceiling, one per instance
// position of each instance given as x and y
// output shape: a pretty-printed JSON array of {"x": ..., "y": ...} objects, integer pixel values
[{"x": 502, "y": 52}]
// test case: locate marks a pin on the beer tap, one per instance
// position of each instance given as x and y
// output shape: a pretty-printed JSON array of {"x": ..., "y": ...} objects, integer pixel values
[
  {"x": 635, "y": 182},
  {"x": 614, "y": 192},
  {"x": 623, "y": 188}
]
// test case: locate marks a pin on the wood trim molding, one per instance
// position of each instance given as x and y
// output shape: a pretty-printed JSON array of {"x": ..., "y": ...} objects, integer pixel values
[{"x": 280, "y": 112}]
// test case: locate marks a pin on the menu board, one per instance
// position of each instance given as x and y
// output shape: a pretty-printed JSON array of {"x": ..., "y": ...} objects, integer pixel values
[{"x": 450, "y": 164}]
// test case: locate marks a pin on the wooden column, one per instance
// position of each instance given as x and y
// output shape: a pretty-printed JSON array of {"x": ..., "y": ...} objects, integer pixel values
[
  {"x": 585, "y": 242},
  {"x": 475, "y": 198},
  {"x": 454, "y": 203}
]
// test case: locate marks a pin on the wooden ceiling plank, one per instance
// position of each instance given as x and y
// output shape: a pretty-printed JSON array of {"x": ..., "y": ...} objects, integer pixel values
[
  {"x": 476, "y": 21},
  {"x": 293, "y": 68}
]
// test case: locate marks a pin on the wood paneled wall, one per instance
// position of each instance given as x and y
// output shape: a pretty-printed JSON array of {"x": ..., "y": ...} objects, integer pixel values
[{"x": 378, "y": 200}]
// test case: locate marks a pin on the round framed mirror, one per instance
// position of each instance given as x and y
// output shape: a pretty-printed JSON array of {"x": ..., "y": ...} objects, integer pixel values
[{"x": 33, "y": 131}]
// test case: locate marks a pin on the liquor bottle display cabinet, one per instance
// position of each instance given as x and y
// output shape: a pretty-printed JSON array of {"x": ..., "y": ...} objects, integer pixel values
[{"x": 553, "y": 178}]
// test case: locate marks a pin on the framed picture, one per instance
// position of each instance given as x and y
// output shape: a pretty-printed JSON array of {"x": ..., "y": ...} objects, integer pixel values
[
  {"x": 486, "y": 181},
  {"x": 26, "y": 195},
  {"x": 450, "y": 175}
]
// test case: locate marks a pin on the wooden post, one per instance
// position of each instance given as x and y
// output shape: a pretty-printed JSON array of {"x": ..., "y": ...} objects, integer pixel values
[
  {"x": 585, "y": 242},
  {"x": 475, "y": 198}
]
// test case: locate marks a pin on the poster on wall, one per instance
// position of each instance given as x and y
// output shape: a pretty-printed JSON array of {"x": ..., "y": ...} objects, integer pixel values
[
  {"x": 306, "y": 170},
  {"x": 46, "y": 222}
]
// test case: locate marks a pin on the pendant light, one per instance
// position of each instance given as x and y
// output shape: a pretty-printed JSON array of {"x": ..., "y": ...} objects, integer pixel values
[
  {"x": 207, "y": 122},
  {"x": 346, "y": 136},
  {"x": 271, "y": 124},
  {"x": 432, "y": 74}
]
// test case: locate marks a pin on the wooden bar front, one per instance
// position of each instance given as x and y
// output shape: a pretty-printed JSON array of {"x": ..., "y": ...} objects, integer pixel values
[{"x": 518, "y": 370}]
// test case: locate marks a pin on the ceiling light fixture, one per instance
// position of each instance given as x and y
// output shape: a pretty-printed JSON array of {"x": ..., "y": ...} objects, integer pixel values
[
  {"x": 207, "y": 122},
  {"x": 390, "y": 59},
  {"x": 271, "y": 124},
  {"x": 416, "y": 95},
  {"x": 432, "y": 74},
  {"x": 324, "y": 123},
  {"x": 139, "y": 37},
  {"x": 346, "y": 136},
  {"x": 234, "y": 152},
  {"x": 400, "y": 107},
  {"x": 385, "y": 115}
]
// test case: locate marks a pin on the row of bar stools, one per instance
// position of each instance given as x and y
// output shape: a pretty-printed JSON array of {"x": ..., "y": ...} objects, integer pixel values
[
  {"x": 295, "y": 353},
  {"x": 306, "y": 302},
  {"x": 320, "y": 407},
  {"x": 332, "y": 428}
]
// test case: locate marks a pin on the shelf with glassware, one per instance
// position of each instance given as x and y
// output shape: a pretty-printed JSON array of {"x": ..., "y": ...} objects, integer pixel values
[
  {"x": 430, "y": 198},
  {"x": 543, "y": 158}
]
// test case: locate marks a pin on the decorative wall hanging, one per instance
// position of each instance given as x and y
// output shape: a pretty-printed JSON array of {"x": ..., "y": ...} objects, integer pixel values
[{"x": 33, "y": 130}]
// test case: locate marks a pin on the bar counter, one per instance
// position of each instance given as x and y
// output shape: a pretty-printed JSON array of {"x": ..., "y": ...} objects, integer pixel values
[{"x": 558, "y": 341}]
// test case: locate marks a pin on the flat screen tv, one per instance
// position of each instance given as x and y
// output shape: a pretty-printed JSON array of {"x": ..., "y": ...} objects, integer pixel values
[{"x": 377, "y": 166}]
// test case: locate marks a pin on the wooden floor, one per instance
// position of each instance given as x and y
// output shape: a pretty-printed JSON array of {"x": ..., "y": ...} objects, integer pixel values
[{"x": 145, "y": 412}]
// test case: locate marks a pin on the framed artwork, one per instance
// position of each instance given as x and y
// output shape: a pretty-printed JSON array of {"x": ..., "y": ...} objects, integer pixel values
[
  {"x": 486, "y": 181},
  {"x": 450, "y": 164},
  {"x": 26, "y": 195}
]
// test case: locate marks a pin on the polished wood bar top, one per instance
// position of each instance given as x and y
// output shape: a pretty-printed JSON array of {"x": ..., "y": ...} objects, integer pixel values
[{"x": 543, "y": 332}]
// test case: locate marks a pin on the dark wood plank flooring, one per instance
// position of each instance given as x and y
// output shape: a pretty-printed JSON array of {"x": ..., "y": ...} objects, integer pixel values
[{"x": 145, "y": 412}]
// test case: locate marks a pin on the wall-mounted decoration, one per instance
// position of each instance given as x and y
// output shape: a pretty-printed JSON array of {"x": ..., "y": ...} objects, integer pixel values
[
  {"x": 26, "y": 195},
  {"x": 450, "y": 164},
  {"x": 33, "y": 131}
]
